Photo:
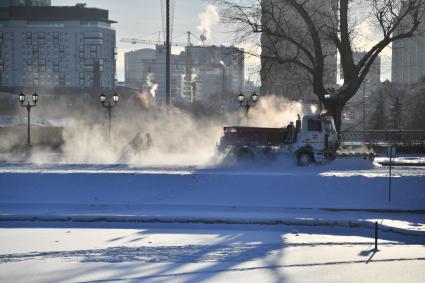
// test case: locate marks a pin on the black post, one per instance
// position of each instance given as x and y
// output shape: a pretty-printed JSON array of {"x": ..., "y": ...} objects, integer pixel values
[
  {"x": 376, "y": 236},
  {"x": 390, "y": 177},
  {"x": 167, "y": 54},
  {"x": 364, "y": 105},
  {"x": 29, "y": 122},
  {"x": 224, "y": 81},
  {"x": 109, "y": 116}
]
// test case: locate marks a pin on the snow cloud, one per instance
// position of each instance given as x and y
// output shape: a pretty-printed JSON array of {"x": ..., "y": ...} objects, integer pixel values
[{"x": 152, "y": 135}]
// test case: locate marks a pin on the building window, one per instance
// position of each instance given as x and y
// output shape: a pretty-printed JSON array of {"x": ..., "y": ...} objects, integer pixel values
[
  {"x": 93, "y": 52},
  {"x": 42, "y": 65},
  {"x": 45, "y": 23}
]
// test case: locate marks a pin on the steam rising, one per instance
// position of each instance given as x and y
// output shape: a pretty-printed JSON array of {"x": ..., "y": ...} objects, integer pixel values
[
  {"x": 208, "y": 18},
  {"x": 147, "y": 97},
  {"x": 272, "y": 111},
  {"x": 150, "y": 82}
]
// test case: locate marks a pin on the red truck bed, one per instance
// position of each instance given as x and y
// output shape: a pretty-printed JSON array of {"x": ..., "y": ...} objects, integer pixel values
[{"x": 254, "y": 136}]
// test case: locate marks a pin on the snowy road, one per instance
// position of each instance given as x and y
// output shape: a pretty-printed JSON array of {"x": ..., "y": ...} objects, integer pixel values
[
  {"x": 102, "y": 252},
  {"x": 343, "y": 184},
  {"x": 282, "y": 167}
]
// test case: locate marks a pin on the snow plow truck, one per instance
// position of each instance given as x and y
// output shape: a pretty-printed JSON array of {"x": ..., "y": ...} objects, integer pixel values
[{"x": 312, "y": 140}]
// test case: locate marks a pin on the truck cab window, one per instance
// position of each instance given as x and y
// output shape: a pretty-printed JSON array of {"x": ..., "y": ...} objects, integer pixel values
[{"x": 314, "y": 125}]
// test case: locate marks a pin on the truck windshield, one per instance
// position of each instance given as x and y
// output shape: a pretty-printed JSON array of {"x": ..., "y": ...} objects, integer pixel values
[{"x": 314, "y": 125}]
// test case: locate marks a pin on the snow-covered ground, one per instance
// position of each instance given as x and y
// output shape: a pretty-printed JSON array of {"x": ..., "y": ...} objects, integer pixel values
[
  {"x": 132, "y": 223},
  {"x": 345, "y": 192},
  {"x": 105, "y": 252},
  {"x": 343, "y": 184}
]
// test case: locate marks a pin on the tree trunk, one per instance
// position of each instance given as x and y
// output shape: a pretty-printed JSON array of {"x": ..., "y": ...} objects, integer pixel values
[
  {"x": 336, "y": 113},
  {"x": 335, "y": 105},
  {"x": 334, "y": 108}
]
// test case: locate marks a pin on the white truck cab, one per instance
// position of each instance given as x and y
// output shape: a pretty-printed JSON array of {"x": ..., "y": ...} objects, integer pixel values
[{"x": 317, "y": 140}]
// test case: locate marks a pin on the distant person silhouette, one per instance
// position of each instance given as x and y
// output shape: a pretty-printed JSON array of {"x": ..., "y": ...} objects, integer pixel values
[
  {"x": 137, "y": 143},
  {"x": 149, "y": 141}
]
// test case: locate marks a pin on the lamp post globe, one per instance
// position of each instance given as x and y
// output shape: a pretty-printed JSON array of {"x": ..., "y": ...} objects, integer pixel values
[
  {"x": 115, "y": 97},
  {"x": 241, "y": 98},
  {"x": 22, "y": 98},
  {"x": 35, "y": 98},
  {"x": 254, "y": 97},
  {"x": 102, "y": 98}
]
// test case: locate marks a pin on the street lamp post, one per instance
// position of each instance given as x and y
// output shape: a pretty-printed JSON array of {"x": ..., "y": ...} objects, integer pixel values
[
  {"x": 247, "y": 105},
  {"x": 28, "y": 106},
  {"x": 109, "y": 106},
  {"x": 364, "y": 104}
]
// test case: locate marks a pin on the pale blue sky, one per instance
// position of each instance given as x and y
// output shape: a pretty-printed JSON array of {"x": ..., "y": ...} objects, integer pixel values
[{"x": 138, "y": 18}]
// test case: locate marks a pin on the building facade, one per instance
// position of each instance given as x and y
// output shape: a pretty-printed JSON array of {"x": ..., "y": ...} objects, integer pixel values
[
  {"x": 218, "y": 69},
  {"x": 213, "y": 70},
  {"x": 145, "y": 68},
  {"x": 408, "y": 59},
  {"x": 50, "y": 46},
  {"x": 8, "y": 3}
]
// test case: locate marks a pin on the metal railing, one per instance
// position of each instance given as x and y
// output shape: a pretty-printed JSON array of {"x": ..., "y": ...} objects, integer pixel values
[{"x": 374, "y": 137}]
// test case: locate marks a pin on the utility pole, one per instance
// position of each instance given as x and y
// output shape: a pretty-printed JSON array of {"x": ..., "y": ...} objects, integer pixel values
[
  {"x": 167, "y": 54},
  {"x": 188, "y": 78}
]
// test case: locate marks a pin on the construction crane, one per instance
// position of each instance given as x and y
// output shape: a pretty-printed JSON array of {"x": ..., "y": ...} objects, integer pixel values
[
  {"x": 149, "y": 42},
  {"x": 158, "y": 42}
]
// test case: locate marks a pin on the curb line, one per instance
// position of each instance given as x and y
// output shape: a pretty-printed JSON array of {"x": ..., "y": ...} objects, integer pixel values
[{"x": 209, "y": 220}]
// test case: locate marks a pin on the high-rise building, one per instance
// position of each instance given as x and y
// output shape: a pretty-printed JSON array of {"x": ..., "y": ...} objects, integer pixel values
[
  {"x": 52, "y": 46},
  {"x": 218, "y": 69},
  {"x": 8, "y": 3},
  {"x": 214, "y": 70},
  {"x": 289, "y": 79},
  {"x": 408, "y": 58}
]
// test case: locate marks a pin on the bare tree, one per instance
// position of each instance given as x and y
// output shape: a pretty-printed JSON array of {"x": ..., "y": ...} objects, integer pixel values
[{"x": 313, "y": 30}]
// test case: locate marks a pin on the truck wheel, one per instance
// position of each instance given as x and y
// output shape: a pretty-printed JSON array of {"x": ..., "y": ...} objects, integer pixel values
[
  {"x": 244, "y": 154},
  {"x": 332, "y": 156},
  {"x": 268, "y": 153},
  {"x": 303, "y": 158}
]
